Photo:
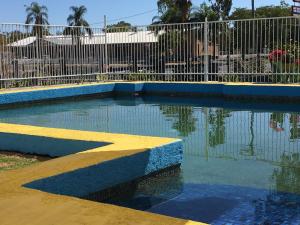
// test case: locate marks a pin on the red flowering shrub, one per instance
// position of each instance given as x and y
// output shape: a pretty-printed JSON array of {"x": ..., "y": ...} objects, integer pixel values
[{"x": 277, "y": 55}]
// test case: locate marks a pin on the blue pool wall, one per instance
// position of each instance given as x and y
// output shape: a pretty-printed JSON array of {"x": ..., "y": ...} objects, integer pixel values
[
  {"x": 220, "y": 89},
  {"x": 113, "y": 172},
  {"x": 53, "y": 93},
  {"x": 53, "y": 147}
]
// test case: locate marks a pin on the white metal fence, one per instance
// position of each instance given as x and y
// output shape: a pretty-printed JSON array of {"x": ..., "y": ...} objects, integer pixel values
[{"x": 256, "y": 50}]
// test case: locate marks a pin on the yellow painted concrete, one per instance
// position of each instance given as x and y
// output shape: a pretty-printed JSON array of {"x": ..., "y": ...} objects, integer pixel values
[
  {"x": 52, "y": 87},
  {"x": 24, "y": 206}
]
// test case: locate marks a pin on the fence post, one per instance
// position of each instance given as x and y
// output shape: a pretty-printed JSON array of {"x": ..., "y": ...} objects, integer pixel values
[
  {"x": 105, "y": 47},
  {"x": 206, "y": 50}
]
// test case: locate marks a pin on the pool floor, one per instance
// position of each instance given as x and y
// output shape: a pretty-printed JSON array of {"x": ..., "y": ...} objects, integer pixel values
[{"x": 241, "y": 159}]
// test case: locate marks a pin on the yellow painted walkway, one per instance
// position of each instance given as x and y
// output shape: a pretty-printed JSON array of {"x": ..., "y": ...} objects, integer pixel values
[{"x": 24, "y": 206}]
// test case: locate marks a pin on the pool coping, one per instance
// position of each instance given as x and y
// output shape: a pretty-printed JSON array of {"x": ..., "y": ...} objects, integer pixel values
[
  {"x": 22, "y": 204},
  {"x": 231, "y": 90}
]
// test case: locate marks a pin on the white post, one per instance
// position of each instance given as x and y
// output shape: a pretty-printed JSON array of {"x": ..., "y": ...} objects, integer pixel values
[
  {"x": 206, "y": 50},
  {"x": 106, "y": 50}
]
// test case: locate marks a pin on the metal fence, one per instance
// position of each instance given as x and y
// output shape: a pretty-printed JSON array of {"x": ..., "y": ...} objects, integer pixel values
[{"x": 255, "y": 50}]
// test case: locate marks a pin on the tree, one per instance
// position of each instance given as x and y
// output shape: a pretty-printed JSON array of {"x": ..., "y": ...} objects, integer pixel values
[
  {"x": 240, "y": 14},
  {"x": 222, "y": 8},
  {"x": 78, "y": 24},
  {"x": 203, "y": 11},
  {"x": 198, "y": 15},
  {"x": 121, "y": 26},
  {"x": 173, "y": 11},
  {"x": 282, "y": 10},
  {"x": 37, "y": 14},
  {"x": 276, "y": 29},
  {"x": 78, "y": 27}
]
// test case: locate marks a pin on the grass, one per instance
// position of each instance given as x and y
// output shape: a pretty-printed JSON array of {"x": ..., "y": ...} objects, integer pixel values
[{"x": 13, "y": 160}]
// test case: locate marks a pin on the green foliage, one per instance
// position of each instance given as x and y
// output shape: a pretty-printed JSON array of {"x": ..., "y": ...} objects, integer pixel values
[
  {"x": 180, "y": 11},
  {"x": 287, "y": 176},
  {"x": 285, "y": 72},
  {"x": 102, "y": 77},
  {"x": 138, "y": 77},
  {"x": 231, "y": 78},
  {"x": 286, "y": 68},
  {"x": 121, "y": 26},
  {"x": 38, "y": 15},
  {"x": 295, "y": 126},
  {"x": 293, "y": 49},
  {"x": 222, "y": 8},
  {"x": 241, "y": 13},
  {"x": 203, "y": 11},
  {"x": 279, "y": 31},
  {"x": 273, "y": 11},
  {"x": 76, "y": 18},
  {"x": 169, "y": 41},
  {"x": 14, "y": 36},
  {"x": 261, "y": 12},
  {"x": 173, "y": 11}
]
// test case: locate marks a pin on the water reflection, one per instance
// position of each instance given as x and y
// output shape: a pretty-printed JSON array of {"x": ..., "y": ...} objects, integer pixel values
[
  {"x": 146, "y": 193},
  {"x": 185, "y": 122},
  {"x": 217, "y": 130},
  {"x": 276, "y": 121},
  {"x": 287, "y": 176},
  {"x": 295, "y": 126},
  {"x": 244, "y": 157}
]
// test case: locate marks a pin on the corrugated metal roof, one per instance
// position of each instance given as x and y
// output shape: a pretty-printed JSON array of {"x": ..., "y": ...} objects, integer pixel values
[{"x": 98, "y": 39}]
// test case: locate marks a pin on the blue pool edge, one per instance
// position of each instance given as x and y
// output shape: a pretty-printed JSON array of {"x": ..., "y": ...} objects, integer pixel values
[{"x": 212, "y": 89}]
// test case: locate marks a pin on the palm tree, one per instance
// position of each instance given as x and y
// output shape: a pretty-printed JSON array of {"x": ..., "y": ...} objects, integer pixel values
[
  {"x": 173, "y": 11},
  {"x": 78, "y": 25},
  {"x": 37, "y": 14},
  {"x": 184, "y": 8}
]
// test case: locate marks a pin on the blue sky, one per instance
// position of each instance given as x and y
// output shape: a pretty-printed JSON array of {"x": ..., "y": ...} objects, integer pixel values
[{"x": 14, "y": 11}]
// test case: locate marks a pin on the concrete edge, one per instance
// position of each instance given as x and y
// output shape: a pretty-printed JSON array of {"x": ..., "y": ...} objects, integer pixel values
[{"x": 231, "y": 90}]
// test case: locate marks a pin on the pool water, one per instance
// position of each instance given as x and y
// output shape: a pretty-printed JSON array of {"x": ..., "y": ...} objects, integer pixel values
[{"x": 241, "y": 159}]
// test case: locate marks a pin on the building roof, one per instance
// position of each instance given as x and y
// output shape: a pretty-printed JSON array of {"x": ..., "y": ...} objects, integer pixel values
[{"x": 96, "y": 39}]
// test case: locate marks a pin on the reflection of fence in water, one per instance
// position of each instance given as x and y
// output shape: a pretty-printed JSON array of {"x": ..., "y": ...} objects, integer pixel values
[
  {"x": 207, "y": 132},
  {"x": 214, "y": 132}
]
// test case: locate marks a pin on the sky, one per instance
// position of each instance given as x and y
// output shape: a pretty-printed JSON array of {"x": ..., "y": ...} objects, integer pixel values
[{"x": 13, "y": 11}]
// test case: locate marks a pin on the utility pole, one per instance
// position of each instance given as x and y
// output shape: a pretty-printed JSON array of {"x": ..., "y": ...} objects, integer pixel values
[
  {"x": 105, "y": 47},
  {"x": 206, "y": 60},
  {"x": 253, "y": 8}
]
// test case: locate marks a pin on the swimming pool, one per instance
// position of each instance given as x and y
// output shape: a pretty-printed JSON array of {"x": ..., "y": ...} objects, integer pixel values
[{"x": 241, "y": 159}]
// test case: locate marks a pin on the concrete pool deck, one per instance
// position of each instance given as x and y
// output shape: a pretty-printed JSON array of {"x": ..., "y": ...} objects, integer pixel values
[{"x": 24, "y": 202}]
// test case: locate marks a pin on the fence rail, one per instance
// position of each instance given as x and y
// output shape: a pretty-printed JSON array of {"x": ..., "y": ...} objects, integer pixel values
[{"x": 256, "y": 50}]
